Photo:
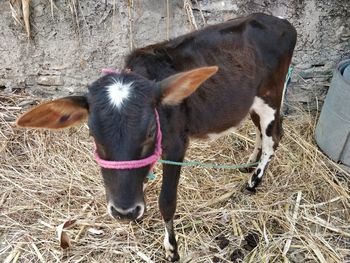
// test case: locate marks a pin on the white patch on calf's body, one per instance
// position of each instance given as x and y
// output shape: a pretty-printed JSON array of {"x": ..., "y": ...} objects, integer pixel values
[
  {"x": 119, "y": 92},
  {"x": 266, "y": 113}
]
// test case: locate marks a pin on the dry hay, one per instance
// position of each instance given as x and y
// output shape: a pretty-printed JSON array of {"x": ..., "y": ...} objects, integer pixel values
[{"x": 301, "y": 209}]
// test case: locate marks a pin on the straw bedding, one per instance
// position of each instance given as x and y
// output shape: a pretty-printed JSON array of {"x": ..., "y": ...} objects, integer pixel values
[{"x": 299, "y": 214}]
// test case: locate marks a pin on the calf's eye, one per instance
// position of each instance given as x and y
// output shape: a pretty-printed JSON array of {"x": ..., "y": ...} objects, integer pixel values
[{"x": 151, "y": 132}]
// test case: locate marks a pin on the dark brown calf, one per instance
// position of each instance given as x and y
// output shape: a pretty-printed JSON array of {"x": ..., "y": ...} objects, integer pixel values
[{"x": 253, "y": 55}]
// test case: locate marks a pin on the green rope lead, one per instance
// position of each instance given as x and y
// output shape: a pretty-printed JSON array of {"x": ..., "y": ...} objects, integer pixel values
[
  {"x": 151, "y": 176},
  {"x": 216, "y": 166},
  {"x": 289, "y": 74}
]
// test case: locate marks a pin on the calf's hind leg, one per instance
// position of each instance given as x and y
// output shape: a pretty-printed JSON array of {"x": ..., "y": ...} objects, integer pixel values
[
  {"x": 255, "y": 156},
  {"x": 270, "y": 127}
]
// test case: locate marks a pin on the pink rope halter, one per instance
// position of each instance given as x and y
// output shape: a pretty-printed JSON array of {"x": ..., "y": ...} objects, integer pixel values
[{"x": 133, "y": 164}]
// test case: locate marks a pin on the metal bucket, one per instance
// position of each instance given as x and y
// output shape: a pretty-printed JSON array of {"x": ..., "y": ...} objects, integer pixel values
[{"x": 333, "y": 128}]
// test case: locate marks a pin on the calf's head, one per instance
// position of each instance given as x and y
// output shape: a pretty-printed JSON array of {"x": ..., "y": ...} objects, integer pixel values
[{"x": 120, "y": 112}]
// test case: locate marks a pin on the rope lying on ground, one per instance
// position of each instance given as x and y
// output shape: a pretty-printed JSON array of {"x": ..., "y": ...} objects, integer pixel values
[{"x": 151, "y": 176}]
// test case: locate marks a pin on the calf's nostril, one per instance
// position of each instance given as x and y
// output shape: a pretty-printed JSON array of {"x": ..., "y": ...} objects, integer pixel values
[
  {"x": 138, "y": 212},
  {"x": 137, "y": 209},
  {"x": 114, "y": 212}
]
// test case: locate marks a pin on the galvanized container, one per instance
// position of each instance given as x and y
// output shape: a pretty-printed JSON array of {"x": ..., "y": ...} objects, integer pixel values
[{"x": 333, "y": 128}]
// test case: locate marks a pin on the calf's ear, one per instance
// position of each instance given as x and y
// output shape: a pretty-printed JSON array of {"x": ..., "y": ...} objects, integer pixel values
[
  {"x": 56, "y": 114},
  {"x": 179, "y": 86}
]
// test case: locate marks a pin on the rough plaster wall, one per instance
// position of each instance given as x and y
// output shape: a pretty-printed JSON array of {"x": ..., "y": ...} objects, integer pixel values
[
  {"x": 62, "y": 55},
  {"x": 67, "y": 51}
]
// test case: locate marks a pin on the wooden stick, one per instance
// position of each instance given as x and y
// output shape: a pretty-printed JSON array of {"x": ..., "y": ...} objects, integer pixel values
[
  {"x": 167, "y": 19},
  {"x": 130, "y": 6},
  {"x": 26, "y": 14},
  {"x": 293, "y": 222}
]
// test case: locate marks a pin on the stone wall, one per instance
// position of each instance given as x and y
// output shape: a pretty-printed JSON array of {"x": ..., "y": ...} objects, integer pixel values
[{"x": 72, "y": 40}]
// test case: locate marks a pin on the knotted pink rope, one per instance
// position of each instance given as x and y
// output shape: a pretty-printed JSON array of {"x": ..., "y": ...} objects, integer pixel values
[
  {"x": 110, "y": 71},
  {"x": 133, "y": 164}
]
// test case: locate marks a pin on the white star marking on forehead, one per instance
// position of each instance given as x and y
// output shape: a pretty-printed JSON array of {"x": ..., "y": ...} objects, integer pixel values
[{"x": 118, "y": 93}]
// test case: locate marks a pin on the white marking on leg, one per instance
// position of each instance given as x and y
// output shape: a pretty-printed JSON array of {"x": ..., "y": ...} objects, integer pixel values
[
  {"x": 266, "y": 115},
  {"x": 250, "y": 183},
  {"x": 267, "y": 152},
  {"x": 119, "y": 92},
  {"x": 257, "y": 147},
  {"x": 168, "y": 247}
]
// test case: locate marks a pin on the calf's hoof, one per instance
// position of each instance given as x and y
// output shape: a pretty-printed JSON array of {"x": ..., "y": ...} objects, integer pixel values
[
  {"x": 172, "y": 256},
  {"x": 252, "y": 190},
  {"x": 254, "y": 182},
  {"x": 171, "y": 253}
]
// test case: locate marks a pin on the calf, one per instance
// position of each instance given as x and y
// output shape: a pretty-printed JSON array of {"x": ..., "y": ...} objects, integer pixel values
[{"x": 156, "y": 105}]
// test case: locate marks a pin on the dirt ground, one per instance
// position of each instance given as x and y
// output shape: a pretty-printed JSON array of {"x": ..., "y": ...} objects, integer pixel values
[{"x": 299, "y": 214}]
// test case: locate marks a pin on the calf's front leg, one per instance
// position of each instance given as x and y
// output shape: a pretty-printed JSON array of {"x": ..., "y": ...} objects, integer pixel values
[{"x": 167, "y": 200}]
